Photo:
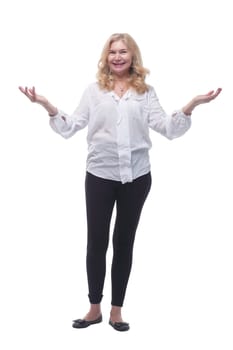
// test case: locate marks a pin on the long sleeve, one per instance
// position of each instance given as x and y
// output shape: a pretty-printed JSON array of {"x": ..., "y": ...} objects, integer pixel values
[
  {"x": 170, "y": 126},
  {"x": 67, "y": 125}
]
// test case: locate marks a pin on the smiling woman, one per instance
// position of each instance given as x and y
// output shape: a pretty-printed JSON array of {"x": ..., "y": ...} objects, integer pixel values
[
  {"x": 119, "y": 109},
  {"x": 120, "y": 65},
  {"x": 119, "y": 62},
  {"x": 119, "y": 59}
]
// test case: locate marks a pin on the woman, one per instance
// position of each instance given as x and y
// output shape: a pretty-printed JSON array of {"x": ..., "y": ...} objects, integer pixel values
[{"x": 119, "y": 109}]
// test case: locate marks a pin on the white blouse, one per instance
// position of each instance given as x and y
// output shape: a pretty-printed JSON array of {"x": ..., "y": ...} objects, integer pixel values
[{"x": 118, "y": 130}]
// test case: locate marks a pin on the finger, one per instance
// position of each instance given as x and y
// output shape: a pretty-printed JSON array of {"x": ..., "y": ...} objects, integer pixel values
[
  {"x": 214, "y": 94},
  {"x": 21, "y": 89},
  {"x": 218, "y": 91},
  {"x": 33, "y": 93},
  {"x": 27, "y": 92}
]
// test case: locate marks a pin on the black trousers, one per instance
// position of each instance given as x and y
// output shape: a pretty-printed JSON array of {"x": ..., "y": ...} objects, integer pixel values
[{"x": 101, "y": 196}]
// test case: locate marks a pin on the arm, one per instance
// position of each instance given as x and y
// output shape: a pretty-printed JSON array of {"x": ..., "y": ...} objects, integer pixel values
[
  {"x": 170, "y": 126},
  {"x": 62, "y": 123},
  {"x": 175, "y": 125}
]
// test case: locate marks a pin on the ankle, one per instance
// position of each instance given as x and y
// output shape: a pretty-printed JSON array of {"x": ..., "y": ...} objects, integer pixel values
[
  {"x": 115, "y": 314},
  {"x": 93, "y": 313},
  {"x": 95, "y": 308}
]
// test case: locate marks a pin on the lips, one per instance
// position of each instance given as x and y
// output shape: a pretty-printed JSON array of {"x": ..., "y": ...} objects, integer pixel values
[{"x": 118, "y": 64}]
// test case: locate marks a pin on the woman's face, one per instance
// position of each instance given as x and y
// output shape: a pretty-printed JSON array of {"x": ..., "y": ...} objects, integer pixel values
[{"x": 119, "y": 59}]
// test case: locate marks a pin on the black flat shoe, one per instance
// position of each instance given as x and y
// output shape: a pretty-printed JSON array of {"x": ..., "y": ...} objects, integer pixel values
[
  {"x": 119, "y": 326},
  {"x": 80, "y": 323}
]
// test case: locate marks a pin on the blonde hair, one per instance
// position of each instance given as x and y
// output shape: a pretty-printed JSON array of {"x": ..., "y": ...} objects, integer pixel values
[{"x": 137, "y": 71}]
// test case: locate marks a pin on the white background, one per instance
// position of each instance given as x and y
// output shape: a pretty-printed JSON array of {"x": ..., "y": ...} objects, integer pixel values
[{"x": 180, "y": 291}]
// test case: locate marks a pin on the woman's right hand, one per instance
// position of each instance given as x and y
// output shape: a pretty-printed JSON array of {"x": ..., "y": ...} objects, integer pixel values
[{"x": 32, "y": 95}]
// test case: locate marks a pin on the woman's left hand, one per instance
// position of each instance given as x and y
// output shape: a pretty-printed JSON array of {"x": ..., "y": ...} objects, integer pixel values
[
  {"x": 200, "y": 99},
  {"x": 211, "y": 95}
]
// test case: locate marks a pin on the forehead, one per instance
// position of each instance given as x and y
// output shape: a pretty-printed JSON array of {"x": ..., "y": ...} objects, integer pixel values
[{"x": 118, "y": 45}]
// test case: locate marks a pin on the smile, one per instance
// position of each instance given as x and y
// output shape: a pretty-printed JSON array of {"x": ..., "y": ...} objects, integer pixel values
[{"x": 118, "y": 63}]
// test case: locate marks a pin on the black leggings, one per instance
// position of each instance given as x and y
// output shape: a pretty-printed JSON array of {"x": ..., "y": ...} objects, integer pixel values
[{"x": 101, "y": 195}]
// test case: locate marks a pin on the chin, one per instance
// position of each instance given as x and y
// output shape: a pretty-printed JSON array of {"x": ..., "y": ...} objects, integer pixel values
[{"x": 120, "y": 71}]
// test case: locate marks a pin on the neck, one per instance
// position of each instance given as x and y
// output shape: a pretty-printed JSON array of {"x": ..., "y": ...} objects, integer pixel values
[
  {"x": 123, "y": 79},
  {"x": 119, "y": 78}
]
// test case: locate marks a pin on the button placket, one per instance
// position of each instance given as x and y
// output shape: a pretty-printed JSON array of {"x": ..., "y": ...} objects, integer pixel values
[{"x": 123, "y": 141}]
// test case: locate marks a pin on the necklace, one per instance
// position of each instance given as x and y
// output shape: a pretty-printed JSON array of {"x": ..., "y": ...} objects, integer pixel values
[{"x": 120, "y": 89}]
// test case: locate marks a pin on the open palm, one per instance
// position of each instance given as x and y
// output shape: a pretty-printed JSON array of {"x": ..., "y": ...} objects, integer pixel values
[
  {"x": 32, "y": 95},
  {"x": 211, "y": 95}
]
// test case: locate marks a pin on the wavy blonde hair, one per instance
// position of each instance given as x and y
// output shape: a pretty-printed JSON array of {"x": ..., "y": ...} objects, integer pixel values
[{"x": 137, "y": 73}]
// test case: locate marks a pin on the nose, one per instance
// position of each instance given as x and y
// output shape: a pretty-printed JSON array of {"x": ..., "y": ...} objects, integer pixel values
[{"x": 118, "y": 56}]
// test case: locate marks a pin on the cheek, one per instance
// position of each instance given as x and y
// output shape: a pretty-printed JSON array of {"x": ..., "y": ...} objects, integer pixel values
[
  {"x": 108, "y": 62},
  {"x": 130, "y": 59}
]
